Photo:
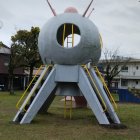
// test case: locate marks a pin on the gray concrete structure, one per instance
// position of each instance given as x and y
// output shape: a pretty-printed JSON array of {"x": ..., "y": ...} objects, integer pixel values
[
  {"x": 51, "y": 38},
  {"x": 46, "y": 93},
  {"x": 68, "y": 77},
  {"x": 100, "y": 87}
]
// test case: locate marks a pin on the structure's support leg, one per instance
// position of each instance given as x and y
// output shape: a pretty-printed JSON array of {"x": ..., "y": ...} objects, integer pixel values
[
  {"x": 91, "y": 98},
  {"x": 110, "y": 109},
  {"x": 47, "y": 103},
  {"x": 30, "y": 94},
  {"x": 43, "y": 94}
]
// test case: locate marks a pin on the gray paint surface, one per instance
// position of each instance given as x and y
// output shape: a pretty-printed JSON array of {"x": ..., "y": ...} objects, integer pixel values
[
  {"x": 67, "y": 73},
  {"x": 88, "y": 49},
  {"x": 91, "y": 98},
  {"x": 46, "y": 93},
  {"x": 40, "y": 98},
  {"x": 37, "y": 84},
  {"x": 110, "y": 108}
]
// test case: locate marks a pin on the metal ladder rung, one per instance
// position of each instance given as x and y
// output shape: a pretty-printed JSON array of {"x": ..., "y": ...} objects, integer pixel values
[{"x": 70, "y": 108}]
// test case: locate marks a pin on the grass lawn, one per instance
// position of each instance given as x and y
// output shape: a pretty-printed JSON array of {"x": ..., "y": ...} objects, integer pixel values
[{"x": 82, "y": 126}]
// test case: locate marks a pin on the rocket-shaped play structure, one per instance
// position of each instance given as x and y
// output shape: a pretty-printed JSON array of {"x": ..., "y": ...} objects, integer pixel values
[{"x": 68, "y": 70}]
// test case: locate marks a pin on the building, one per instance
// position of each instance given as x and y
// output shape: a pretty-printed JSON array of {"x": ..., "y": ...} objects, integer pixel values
[
  {"x": 19, "y": 75},
  {"x": 129, "y": 76}
]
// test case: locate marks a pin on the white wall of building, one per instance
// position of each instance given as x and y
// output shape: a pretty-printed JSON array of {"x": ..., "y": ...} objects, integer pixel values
[{"x": 129, "y": 78}]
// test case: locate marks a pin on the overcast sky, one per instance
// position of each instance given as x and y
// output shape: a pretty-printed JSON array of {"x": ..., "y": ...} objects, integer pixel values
[{"x": 117, "y": 20}]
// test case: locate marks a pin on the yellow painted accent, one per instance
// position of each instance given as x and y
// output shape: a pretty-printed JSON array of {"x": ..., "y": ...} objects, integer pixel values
[
  {"x": 101, "y": 41},
  {"x": 23, "y": 95},
  {"x": 37, "y": 86},
  {"x": 17, "y": 105},
  {"x": 64, "y": 30},
  {"x": 71, "y": 108},
  {"x": 65, "y": 111},
  {"x": 96, "y": 88},
  {"x": 72, "y": 35},
  {"x": 105, "y": 86}
]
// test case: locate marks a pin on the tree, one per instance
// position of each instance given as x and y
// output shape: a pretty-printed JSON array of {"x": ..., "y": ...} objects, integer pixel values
[
  {"x": 15, "y": 61},
  {"x": 24, "y": 53},
  {"x": 27, "y": 41},
  {"x": 112, "y": 64}
]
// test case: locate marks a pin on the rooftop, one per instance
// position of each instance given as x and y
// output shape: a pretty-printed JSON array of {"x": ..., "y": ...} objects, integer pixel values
[
  {"x": 128, "y": 60},
  {"x": 4, "y": 49}
]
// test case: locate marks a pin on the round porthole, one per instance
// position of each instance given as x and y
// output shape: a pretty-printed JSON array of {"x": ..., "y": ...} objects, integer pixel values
[{"x": 68, "y": 35}]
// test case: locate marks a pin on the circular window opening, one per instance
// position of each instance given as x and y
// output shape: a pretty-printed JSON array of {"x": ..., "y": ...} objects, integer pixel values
[{"x": 68, "y": 35}]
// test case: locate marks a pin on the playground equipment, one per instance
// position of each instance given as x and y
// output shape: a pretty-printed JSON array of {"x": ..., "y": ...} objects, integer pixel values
[{"x": 68, "y": 71}]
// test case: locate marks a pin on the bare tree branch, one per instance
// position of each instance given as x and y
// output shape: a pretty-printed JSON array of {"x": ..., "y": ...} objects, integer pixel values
[{"x": 112, "y": 64}]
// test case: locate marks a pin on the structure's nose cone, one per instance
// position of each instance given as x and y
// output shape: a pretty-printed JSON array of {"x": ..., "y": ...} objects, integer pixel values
[{"x": 71, "y": 10}]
